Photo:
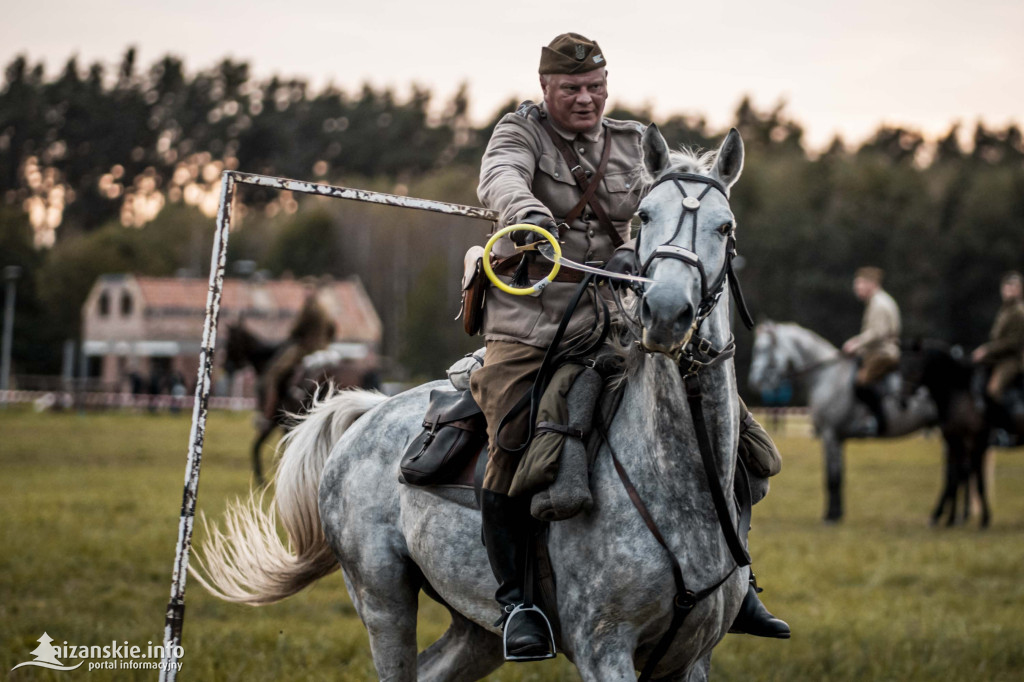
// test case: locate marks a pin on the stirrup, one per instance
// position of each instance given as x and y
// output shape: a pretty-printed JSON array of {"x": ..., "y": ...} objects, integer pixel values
[{"x": 520, "y": 608}]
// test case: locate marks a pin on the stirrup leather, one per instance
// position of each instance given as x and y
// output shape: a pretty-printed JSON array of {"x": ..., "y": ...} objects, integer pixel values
[{"x": 518, "y": 609}]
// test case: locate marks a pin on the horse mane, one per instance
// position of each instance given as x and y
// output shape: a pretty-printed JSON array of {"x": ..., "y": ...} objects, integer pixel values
[
  {"x": 815, "y": 336},
  {"x": 683, "y": 160}
]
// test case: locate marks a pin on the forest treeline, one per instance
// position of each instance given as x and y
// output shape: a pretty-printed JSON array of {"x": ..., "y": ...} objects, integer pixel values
[{"x": 107, "y": 170}]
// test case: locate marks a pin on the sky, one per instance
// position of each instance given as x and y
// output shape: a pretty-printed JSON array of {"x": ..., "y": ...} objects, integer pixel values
[{"x": 842, "y": 67}]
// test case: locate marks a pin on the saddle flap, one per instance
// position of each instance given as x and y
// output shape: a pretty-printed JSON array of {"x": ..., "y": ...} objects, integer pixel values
[{"x": 451, "y": 406}]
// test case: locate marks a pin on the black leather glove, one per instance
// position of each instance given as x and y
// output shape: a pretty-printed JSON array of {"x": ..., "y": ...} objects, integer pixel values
[
  {"x": 524, "y": 237},
  {"x": 622, "y": 261}
]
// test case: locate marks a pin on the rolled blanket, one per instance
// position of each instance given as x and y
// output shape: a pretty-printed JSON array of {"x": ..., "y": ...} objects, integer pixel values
[{"x": 569, "y": 494}]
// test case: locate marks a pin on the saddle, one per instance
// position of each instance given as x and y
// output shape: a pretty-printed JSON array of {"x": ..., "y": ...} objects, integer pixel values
[{"x": 450, "y": 456}]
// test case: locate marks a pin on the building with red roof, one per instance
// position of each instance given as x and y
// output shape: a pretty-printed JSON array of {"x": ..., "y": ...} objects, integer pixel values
[{"x": 144, "y": 327}]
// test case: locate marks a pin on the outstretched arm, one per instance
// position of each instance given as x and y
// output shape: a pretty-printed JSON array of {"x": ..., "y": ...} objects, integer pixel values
[{"x": 506, "y": 172}]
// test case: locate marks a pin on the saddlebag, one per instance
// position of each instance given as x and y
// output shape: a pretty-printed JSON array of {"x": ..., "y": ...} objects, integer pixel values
[
  {"x": 474, "y": 291},
  {"x": 756, "y": 448},
  {"x": 454, "y": 430}
]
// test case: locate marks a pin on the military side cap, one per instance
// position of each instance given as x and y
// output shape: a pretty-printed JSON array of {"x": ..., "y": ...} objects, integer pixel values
[{"x": 571, "y": 53}]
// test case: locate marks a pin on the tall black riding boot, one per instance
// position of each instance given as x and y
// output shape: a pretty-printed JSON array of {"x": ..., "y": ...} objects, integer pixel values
[
  {"x": 870, "y": 396},
  {"x": 506, "y": 531},
  {"x": 754, "y": 618}
]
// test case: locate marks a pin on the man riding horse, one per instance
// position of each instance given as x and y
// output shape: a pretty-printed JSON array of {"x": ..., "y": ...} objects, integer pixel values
[
  {"x": 1003, "y": 355},
  {"x": 313, "y": 330},
  {"x": 878, "y": 344},
  {"x": 562, "y": 166}
]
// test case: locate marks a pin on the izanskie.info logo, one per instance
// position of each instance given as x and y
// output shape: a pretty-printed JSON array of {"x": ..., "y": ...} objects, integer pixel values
[{"x": 113, "y": 656}]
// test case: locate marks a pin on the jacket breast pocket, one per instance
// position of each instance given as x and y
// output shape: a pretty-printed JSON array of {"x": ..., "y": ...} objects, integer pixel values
[
  {"x": 623, "y": 197},
  {"x": 556, "y": 169},
  {"x": 554, "y": 186}
]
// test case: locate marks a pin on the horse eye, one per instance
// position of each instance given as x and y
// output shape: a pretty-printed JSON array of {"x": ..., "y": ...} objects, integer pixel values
[
  {"x": 725, "y": 228},
  {"x": 643, "y": 216}
]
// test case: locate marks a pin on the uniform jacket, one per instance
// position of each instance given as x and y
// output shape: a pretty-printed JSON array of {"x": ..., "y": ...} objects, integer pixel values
[
  {"x": 522, "y": 172},
  {"x": 1007, "y": 336},
  {"x": 880, "y": 328}
]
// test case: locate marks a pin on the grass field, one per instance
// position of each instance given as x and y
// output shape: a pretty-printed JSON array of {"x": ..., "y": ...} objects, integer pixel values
[{"x": 90, "y": 511}]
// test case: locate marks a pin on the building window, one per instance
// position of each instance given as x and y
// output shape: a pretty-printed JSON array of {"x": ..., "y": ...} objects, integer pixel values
[
  {"x": 104, "y": 304},
  {"x": 126, "y": 304}
]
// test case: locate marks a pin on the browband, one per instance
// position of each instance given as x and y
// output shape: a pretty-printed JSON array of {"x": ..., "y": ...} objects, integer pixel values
[{"x": 693, "y": 177}]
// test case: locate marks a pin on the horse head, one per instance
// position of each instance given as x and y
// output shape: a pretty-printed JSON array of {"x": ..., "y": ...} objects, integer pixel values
[
  {"x": 687, "y": 237},
  {"x": 935, "y": 365},
  {"x": 769, "y": 364}
]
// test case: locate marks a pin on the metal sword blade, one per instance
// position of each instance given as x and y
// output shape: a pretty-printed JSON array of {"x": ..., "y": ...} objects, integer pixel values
[{"x": 548, "y": 252}]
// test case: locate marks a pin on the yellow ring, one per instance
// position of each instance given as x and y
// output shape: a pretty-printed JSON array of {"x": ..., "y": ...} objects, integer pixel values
[{"x": 521, "y": 291}]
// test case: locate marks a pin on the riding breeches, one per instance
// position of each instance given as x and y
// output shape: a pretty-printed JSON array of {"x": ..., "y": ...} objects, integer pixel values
[
  {"x": 508, "y": 373},
  {"x": 1003, "y": 374},
  {"x": 874, "y": 367}
]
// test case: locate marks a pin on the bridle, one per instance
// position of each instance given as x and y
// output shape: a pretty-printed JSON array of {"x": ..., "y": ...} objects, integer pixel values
[
  {"x": 694, "y": 354},
  {"x": 698, "y": 351}
]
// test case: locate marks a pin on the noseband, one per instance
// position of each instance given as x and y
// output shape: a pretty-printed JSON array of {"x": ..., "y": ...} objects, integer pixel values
[{"x": 709, "y": 294}]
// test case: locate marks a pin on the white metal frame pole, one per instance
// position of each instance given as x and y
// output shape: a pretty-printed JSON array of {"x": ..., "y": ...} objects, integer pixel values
[
  {"x": 11, "y": 273},
  {"x": 175, "y": 615},
  {"x": 176, "y": 607}
]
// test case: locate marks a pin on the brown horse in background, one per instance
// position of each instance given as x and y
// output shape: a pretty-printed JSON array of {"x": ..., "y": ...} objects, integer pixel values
[
  {"x": 311, "y": 378},
  {"x": 969, "y": 424}
]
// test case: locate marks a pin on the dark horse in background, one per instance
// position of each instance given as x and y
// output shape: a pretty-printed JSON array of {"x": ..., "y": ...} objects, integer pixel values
[
  {"x": 310, "y": 379},
  {"x": 969, "y": 422}
]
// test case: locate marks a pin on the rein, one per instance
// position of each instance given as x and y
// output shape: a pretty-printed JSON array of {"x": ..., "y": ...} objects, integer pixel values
[
  {"x": 696, "y": 354},
  {"x": 686, "y": 599}
]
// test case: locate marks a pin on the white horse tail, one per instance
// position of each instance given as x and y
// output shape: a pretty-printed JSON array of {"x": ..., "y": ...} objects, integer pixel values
[{"x": 248, "y": 562}]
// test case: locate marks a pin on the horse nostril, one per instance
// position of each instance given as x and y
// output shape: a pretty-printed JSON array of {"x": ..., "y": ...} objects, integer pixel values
[
  {"x": 645, "y": 314},
  {"x": 684, "y": 320}
]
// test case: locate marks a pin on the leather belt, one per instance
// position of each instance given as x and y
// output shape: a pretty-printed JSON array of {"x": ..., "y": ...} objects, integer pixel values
[{"x": 536, "y": 271}]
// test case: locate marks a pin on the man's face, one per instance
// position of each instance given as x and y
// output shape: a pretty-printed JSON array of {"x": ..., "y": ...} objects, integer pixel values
[
  {"x": 1011, "y": 290},
  {"x": 575, "y": 101},
  {"x": 863, "y": 287}
]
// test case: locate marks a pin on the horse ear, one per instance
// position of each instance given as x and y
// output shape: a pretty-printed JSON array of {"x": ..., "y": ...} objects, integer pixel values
[
  {"x": 656, "y": 157},
  {"x": 729, "y": 160}
]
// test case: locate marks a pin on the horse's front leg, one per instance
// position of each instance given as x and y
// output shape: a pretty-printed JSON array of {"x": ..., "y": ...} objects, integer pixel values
[
  {"x": 833, "y": 452},
  {"x": 978, "y": 465},
  {"x": 947, "y": 496},
  {"x": 609, "y": 665},
  {"x": 962, "y": 483}
]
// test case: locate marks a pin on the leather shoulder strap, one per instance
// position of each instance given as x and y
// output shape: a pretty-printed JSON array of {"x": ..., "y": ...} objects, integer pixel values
[{"x": 587, "y": 186}]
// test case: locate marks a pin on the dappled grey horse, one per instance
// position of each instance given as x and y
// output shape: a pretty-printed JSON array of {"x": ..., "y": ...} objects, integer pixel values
[
  {"x": 339, "y": 499},
  {"x": 787, "y": 351}
]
